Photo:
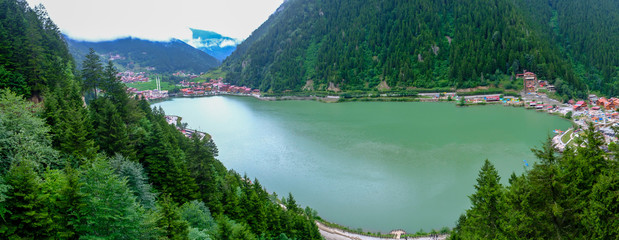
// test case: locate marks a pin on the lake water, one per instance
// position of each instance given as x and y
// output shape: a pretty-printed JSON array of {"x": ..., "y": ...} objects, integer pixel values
[{"x": 373, "y": 165}]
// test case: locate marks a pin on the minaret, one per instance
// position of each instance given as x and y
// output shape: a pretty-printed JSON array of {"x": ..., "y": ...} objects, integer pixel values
[{"x": 158, "y": 81}]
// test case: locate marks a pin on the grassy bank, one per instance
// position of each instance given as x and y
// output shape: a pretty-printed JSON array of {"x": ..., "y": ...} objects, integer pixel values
[{"x": 150, "y": 85}]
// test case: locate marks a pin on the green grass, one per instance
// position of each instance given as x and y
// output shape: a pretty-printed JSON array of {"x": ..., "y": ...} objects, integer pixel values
[
  {"x": 566, "y": 136},
  {"x": 213, "y": 74},
  {"x": 150, "y": 85}
]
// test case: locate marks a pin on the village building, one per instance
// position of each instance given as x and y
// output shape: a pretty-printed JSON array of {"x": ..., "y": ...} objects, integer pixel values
[
  {"x": 608, "y": 104},
  {"x": 492, "y": 98},
  {"x": 580, "y": 105},
  {"x": 529, "y": 81}
]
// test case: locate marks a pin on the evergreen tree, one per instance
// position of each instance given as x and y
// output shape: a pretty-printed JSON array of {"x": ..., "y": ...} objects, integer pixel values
[
  {"x": 91, "y": 73},
  {"x": 69, "y": 204},
  {"x": 601, "y": 215},
  {"x": 66, "y": 114},
  {"x": 291, "y": 204},
  {"x": 197, "y": 215},
  {"x": 166, "y": 167},
  {"x": 110, "y": 209},
  {"x": 483, "y": 218},
  {"x": 110, "y": 130},
  {"x": 200, "y": 162},
  {"x": 64, "y": 200},
  {"x": 548, "y": 205},
  {"x": 13, "y": 81},
  {"x": 170, "y": 221},
  {"x": 137, "y": 181},
  {"x": 29, "y": 216},
  {"x": 115, "y": 90}
]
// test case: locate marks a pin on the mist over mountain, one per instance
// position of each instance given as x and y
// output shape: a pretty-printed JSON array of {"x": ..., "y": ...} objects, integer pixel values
[
  {"x": 213, "y": 43},
  {"x": 138, "y": 54}
]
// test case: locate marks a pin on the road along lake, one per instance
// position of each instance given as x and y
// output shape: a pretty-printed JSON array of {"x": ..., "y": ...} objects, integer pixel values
[{"x": 372, "y": 165}]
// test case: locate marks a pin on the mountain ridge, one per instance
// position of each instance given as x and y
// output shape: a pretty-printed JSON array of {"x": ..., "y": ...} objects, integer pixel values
[{"x": 139, "y": 54}]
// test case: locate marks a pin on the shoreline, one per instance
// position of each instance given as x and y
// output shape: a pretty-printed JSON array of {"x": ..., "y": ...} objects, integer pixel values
[{"x": 335, "y": 232}]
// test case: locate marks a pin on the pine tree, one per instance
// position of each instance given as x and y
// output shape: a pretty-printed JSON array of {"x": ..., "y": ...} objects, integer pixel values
[
  {"x": 110, "y": 209},
  {"x": 29, "y": 216},
  {"x": 170, "y": 221},
  {"x": 69, "y": 204},
  {"x": 111, "y": 131},
  {"x": 200, "y": 162},
  {"x": 91, "y": 73},
  {"x": 66, "y": 113},
  {"x": 115, "y": 90},
  {"x": 64, "y": 200},
  {"x": 137, "y": 181},
  {"x": 166, "y": 167},
  {"x": 13, "y": 81},
  {"x": 482, "y": 220},
  {"x": 600, "y": 216},
  {"x": 291, "y": 204}
]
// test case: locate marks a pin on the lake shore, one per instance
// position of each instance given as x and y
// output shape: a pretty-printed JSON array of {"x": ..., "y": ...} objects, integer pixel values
[{"x": 330, "y": 233}]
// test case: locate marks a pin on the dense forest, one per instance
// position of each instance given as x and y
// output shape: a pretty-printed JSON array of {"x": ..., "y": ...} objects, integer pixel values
[
  {"x": 86, "y": 161},
  {"x": 430, "y": 44},
  {"x": 587, "y": 32},
  {"x": 138, "y": 54},
  {"x": 569, "y": 195}
]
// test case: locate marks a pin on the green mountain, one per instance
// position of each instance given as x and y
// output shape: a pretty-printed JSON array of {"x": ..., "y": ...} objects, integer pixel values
[
  {"x": 425, "y": 44},
  {"x": 139, "y": 54}
]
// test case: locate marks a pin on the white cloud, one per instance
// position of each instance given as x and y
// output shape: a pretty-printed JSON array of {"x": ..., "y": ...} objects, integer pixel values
[{"x": 157, "y": 19}]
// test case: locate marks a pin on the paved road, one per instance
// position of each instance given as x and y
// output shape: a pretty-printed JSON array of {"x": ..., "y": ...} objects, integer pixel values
[{"x": 337, "y": 234}]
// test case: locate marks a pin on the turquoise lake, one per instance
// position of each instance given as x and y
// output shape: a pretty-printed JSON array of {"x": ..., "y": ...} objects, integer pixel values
[{"x": 373, "y": 165}]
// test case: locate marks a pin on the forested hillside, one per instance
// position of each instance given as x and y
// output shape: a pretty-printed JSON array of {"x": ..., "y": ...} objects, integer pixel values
[
  {"x": 587, "y": 33},
  {"x": 426, "y": 44},
  {"x": 111, "y": 167},
  {"x": 138, "y": 54},
  {"x": 30, "y": 44}
]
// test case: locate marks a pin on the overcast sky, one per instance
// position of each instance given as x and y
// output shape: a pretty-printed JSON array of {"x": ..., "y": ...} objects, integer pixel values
[{"x": 156, "y": 19}]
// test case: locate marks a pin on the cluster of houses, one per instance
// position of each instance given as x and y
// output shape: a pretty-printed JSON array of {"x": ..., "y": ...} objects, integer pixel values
[
  {"x": 149, "y": 94},
  {"x": 541, "y": 106},
  {"x": 532, "y": 84},
  {"x": 596, "y": 104},
  {"x": 214, "y": 86},
  {"x": 131, "y": 77},
  {"x": 608, "y": 104},
  {"x": 184, "y": 74}
]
